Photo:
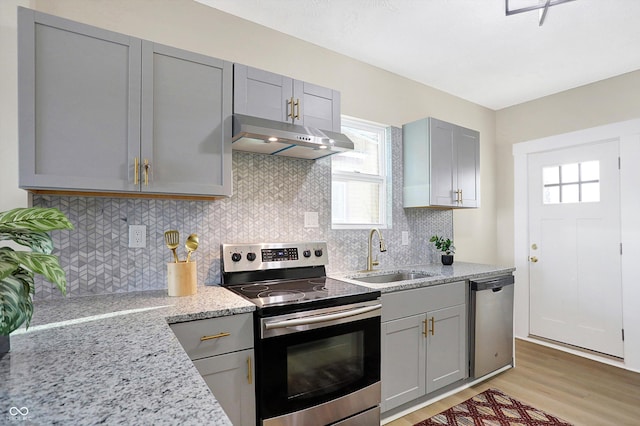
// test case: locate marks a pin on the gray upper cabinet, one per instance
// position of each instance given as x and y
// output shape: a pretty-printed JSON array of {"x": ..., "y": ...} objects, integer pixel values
[
  {"x": 263, "y": 94},
  {"x": 79, "y": 105},
  {"x": 102, "y": 111},
  {"x": 186, "y": 122},
  {"x": 441, "y": 165}
]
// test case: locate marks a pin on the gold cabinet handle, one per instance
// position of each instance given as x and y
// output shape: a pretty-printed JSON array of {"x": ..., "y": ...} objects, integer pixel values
[
  {"x": 297, "y": 105},
  {"x": 457, "y": 192},
  {"x": 249, "y": 375},
  {"x": 290, "y": 108},
  {"x": 433, "y": 325},
  {"x": 424, "y": 328},
  {"x": 215, "y": 336},
  {"x": 460, "y": 195},
  {"x": 136, "y": 171},
  {"x": 147, "y": 170},
  {"x": 533, "y": 259}
]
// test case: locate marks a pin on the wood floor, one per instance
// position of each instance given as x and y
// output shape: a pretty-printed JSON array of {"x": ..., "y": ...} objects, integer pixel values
[{"x": 578, "y": 390}]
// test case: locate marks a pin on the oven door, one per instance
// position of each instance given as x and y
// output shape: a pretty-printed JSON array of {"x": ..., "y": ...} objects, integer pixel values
[{"x": 320, "y": 366}]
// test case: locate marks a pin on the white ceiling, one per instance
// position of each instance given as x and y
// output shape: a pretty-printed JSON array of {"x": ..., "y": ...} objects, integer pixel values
[{"x": 468, "y": 48}]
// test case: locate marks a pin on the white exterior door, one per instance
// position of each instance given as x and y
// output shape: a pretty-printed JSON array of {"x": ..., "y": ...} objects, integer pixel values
[{"x": 574, "y": 247}]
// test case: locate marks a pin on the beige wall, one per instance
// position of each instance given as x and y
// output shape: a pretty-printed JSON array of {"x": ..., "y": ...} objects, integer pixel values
[
  {"x": 607, "y": 101},
  {"x": 367, "y": 92},
  {"x": 10, "y": 195}
]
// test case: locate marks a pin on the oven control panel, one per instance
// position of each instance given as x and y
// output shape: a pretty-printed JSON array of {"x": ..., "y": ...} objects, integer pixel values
[
  {"x": 260, "y": 256},
  {"x": 278, "y": 255}
]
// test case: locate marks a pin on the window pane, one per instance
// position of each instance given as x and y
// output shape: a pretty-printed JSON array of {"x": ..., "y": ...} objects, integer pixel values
[
  {"x": 591, "y": 192},
  {"x": 570, "y": 193},
  {"x": 361, "y": 202},
  {"x": 551, "y": 195},
  {"x": 569, "y": 173},
  {"x": 551, "y": 175},
  {"x": 364, "y": 157},
  {"x": 590, "y": 170},
  {"x": 338, "y": 207}
]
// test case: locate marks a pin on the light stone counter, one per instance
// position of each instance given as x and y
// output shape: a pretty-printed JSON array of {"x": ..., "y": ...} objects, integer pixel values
[
  {"x": 438, "y": 274},
  {"x": 111, "y": 360}
]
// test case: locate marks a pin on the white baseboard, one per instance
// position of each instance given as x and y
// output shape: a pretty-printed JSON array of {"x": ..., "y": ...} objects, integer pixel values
[{"x": 584, "y": 354}]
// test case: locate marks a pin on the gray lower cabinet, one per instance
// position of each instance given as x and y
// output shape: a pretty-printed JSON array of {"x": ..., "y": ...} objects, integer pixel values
[
  {"x": 264, "y": 94},
  {"x": 230, "y": 379},
  {"x": 103, "y": 111},
  {"x": 424, "y": 342},
  {"x": 441, "y": 165},
  {"x": 403, "y": 367},
  {"x": 222, "y": 351},
  {"x": 446, "y": 346}
]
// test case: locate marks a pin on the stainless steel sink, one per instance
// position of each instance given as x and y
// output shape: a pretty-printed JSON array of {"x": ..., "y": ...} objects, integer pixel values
[{"x": 393, "y": 277}]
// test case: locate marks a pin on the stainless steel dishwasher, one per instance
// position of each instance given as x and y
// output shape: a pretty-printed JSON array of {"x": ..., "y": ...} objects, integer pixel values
[{"x": 491, "y": 324}]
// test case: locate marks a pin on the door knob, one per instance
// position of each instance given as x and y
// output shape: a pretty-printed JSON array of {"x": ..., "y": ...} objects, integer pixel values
[{"x": 533, "y": 259}]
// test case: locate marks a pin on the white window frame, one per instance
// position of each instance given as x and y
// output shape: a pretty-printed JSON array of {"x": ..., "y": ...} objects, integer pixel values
[{"x": 382, "y": 179}]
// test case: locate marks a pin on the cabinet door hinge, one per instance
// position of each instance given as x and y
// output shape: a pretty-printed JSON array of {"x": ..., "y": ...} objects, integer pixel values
[
  {"x": 620, "y": 249},
  {"x": 623, "y": 334},
  {"x": 619, "y": 164}
]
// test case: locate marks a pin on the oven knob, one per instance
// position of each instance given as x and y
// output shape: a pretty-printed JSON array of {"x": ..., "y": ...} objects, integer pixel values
[
  {"x": 318, "y": 252},
  {"x": 306, "y": 253},
  {"x": 251, "y": 256},
  {"x": 236, "y": 257}
]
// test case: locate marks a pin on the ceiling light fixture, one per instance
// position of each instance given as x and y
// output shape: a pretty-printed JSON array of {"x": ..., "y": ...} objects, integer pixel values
[{"x": 542, "y": 6}]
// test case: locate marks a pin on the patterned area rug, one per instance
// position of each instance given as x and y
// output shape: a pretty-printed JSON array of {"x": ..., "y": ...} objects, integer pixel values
[{"x": 493, "y": 408}]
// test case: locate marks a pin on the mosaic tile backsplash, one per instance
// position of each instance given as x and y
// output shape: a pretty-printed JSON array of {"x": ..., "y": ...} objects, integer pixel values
[{"x": 270, "y": 197}]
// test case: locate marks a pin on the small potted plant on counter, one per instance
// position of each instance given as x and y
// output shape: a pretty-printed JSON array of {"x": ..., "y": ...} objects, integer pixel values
[
  {"x": 27, "y": 227},
  {"x": 446, "y": 247}
]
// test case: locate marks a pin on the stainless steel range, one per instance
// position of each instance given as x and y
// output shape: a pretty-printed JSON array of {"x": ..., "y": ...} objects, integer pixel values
[{"x": 317, "y": 340}]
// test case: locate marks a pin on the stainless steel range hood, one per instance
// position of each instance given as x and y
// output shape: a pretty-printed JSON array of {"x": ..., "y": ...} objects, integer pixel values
[{"x": 270, "y": 137}]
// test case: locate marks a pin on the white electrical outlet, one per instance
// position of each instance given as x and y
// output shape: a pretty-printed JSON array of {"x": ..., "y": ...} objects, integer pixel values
[
  {"x": 405, "y": 238},
  {"x": 311, "y": 220},
  {"x": 137, "y": 236}
]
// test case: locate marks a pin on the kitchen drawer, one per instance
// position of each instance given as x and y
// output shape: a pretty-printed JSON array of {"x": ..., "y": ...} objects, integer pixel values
[
  {"x": 405, "y": 303},
  {"x": 221, "y": 335}
]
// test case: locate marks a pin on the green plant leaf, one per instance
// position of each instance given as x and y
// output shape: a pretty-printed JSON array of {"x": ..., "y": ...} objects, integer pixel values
[
  {"x": 39, "y": 242},
  {"x": 45, "y": 264},
  {"x": 16, "y": 306},
  {"x": 7, "y": 265},
  {"x": 38, "y": 219}
]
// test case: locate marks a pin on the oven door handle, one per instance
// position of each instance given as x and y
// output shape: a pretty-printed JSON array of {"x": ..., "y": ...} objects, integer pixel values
[{"x": 321, "y": 318}]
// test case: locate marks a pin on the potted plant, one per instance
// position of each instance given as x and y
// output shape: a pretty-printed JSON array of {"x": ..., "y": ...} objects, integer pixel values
[
  {"x": 27, "y": 227},
  {"x": 445, "y": 246}
]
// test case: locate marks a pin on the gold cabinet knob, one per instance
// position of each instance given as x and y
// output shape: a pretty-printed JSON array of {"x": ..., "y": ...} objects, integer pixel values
[{"x": 533, "y": 259}]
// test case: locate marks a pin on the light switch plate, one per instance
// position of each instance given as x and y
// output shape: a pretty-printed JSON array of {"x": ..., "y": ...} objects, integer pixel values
[
  {"x": 405, "y": 238},
  {"x": 311, "y": 220}
]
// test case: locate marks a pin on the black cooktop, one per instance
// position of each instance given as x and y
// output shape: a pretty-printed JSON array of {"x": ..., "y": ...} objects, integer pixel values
[
  {"x": 286, "y": 277},
  {"x": 279, "y": 296}
]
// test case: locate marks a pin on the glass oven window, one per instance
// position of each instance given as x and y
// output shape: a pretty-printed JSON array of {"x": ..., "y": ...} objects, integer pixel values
[
  {"x": 322, "y": 366},
  {"x": 304, "y": 369}
]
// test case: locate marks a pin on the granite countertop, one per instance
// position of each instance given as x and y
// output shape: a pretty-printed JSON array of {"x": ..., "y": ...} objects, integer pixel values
[
  {"x": 437, "y": 274},
  {"x": 112, "y": 359}
]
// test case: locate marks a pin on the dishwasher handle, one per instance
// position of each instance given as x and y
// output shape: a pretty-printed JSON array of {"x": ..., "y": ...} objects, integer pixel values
[{"x": 494, "y": 283}]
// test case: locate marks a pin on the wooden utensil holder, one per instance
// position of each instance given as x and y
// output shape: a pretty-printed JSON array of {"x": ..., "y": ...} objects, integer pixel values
[{"x": 182, "y": 278}]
